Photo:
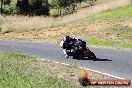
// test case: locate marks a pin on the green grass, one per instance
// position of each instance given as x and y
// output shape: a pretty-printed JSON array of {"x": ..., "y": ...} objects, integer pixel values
[
  {"x": 109, "y": 43},
  {"x": 16, "y": 71},
  {"x": 122, "y": 37},
  {"x": 99, "y": 42},
  {"x": 121, "y": 33},
  {"x": 125, "y": 11}
]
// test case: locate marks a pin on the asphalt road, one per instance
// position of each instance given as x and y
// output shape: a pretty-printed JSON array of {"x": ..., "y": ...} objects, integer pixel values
[{"x": 116, "y": 62}]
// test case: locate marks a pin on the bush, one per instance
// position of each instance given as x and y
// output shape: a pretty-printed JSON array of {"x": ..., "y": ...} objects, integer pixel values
[
  {"x": 7, "y": 2},
  {"x": 33, "y": 7},
  {"x": 8, "y": 10}
]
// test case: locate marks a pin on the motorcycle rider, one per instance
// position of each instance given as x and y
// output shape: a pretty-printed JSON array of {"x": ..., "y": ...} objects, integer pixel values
[{"x": 67, "y": 43}]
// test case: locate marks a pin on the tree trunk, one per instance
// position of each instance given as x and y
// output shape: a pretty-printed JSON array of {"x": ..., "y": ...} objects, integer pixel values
[
  {"x": 1, "y": 6},
  {"x": 59, "y": 12}
]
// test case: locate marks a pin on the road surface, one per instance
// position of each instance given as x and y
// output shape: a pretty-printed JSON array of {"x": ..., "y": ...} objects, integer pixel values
[{"x": 116, "y": 62}]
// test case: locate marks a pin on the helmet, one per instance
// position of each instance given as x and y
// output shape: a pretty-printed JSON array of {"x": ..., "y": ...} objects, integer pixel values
[{"x": 66, "y": 38}]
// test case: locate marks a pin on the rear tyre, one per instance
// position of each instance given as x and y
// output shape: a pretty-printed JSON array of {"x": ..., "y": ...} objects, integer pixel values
[{"x": 92, "y": 56}]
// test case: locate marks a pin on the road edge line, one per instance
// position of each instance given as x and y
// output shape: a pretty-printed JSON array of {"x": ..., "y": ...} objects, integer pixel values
[{"x": 86, "y": 69}]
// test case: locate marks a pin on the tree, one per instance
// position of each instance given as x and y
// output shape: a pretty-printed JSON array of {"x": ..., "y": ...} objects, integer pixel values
[
  {"x": 1, "y": 6},
  {"x": 7, "y": 2},
  {"x": 33, "y": 7},
  {"x": 23, "y": 6},
  {"x": 68, "y": 5},
  {"x": 4, "y": 2}
]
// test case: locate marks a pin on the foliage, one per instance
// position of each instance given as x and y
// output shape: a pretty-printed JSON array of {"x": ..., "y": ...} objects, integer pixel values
[
  {"x": 40, "y": 7},
  {"x": 33, "y": 7},
  {"x": 7, "y": 2},
  {"x": 7, "y": 10},
  {"x": 69, "y": 6}
]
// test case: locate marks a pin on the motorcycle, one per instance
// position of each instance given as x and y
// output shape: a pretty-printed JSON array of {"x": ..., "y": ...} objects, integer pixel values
[{"x": 76, "y": 53}]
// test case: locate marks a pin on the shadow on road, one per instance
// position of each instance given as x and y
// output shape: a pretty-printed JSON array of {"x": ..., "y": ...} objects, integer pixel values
[{"x": 97, "y": 59}]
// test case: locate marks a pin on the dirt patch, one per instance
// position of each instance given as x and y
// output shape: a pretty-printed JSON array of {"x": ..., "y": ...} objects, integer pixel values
[{"x": 85, "y": 30}]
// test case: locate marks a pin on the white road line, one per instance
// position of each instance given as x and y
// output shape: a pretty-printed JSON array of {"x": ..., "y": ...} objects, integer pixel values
[
  {"x": 67, "y": 64},
  {"x": 57, "y": 62},
  {"x": 43, "y": 59},
  {"x": 48, "y": 60},
  {"x": 89, "y": 70},
  {"x": 62, "y": 63},
  {"x": 103, "y": 73}
]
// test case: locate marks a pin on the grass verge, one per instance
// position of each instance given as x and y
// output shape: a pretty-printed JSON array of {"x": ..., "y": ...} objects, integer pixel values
[
  {"x": 109, "y": 43},
  {"x": 21, "y": 71},
  {"x": 118, "y": 35},
  {"x": 113, "y": 14}
]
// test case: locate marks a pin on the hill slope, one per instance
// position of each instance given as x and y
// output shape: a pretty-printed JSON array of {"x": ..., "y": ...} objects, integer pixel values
[{"x": 112, "y": 27}]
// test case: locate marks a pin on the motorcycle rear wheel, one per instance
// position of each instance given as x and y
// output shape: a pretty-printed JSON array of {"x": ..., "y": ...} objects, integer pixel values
[{"x": 92, "y": 56}]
